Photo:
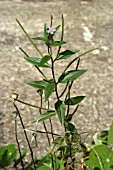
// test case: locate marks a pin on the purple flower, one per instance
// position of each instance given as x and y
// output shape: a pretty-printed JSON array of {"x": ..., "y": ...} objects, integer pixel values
[{"x": 50, "y": 30}]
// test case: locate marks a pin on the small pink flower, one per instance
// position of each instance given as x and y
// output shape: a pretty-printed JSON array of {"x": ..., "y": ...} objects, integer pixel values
[{"x": 50, "y": 30}]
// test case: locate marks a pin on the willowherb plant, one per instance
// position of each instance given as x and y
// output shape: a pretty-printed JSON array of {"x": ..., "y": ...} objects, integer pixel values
[
  {"x": 64, "y": 148},
  {"x": 67, "y": 151}
]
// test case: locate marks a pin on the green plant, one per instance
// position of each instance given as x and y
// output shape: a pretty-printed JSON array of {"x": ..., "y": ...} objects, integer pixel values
[
  {"x": 64, "y": 147},
  {"x": 67, "y": 151},
  {"x": 100, "y": 156},
  {"x": 7, "y": 154}
]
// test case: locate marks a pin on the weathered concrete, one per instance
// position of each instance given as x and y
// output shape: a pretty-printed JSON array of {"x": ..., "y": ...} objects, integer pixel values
[{"x": 87, "y": 26}]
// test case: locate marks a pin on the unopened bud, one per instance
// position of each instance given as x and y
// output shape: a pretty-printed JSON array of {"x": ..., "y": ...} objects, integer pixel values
[
  {"x": 14, "y": 96},
  {"x": 40, "y": 92},
  {"x": 14, "y": 114},
  {"x": 51, "y": 17}
]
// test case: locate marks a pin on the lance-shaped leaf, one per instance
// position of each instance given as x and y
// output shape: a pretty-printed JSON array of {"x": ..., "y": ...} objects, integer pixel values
[
  {"x": 79, "y": 57},
  {"x": 44, "y": 60},
  {"x": 70, "y": 76},
  {"x": 58, "y": 43},
  {"x": 38, "y": 84},
  {"x": 29, "y": 38},
  {"x": 7, "y": 154},
  {"x": 40, "y": 38},
  {"x": 70, "y": 127},
  {"x": 36, "y": 61},
  {"x": 57, "y": 28},
  {"x": 45, "y": 116},
  {"x": 110, "y": 135},
  {"x": 74, "y": 100},
  {"x": 49, "y": 89},
  {"x": 60, "y": 108},
  {"x": 66, "y": 54}
]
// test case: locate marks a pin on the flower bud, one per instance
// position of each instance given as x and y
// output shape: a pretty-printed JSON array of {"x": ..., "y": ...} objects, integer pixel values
[
  {"x": 15, "y": 96},
  {"x": 51, "y": 17},
  {"x": 40, "y": 92}
]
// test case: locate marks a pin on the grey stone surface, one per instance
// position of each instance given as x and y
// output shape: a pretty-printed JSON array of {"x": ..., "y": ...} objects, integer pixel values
[{"x": 87, "y": 25}]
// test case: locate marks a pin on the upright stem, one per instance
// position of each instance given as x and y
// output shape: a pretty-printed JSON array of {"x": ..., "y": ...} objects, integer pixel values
[
  {"x": 51, "y": 129},
  {"x": 71, "y": 168},
  {"x": 68, "y": 96},
  {"x": 40, "y": 111},
  {"x": 51, "y": 124},
  {"x": 75, "y": 110},
  {"x": 52, "y": 61},
  {"x": 22, "y": 164},
  {"x": 64, "y": 90},
  {"x": 53, "y": 73},
  {"x": 69, "y": 88},
  {"x": 78, "y": 64},
  {"x": 62, "y": 36},
  {"x": 25, "y": 134}
]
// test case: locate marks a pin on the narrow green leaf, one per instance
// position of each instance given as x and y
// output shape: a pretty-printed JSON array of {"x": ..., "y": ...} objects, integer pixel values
[
  {"x": 70, "y": 127},
  {"x": 70, "y": 76},
  {"x": 7, "y": 154},
  {"x": 23, "y": 154},
  {"x": 62, "y": 36},
  {"x": 44, "y": 60},
  {"x": 45, "y": 31},
  {"x": 38, "y": 84},
  {"x": 74, "y": 100},
  {"x": 45, "y": 116},
  {"x": 60, "y": 108},
  {"x": 69, "y": 52},
  {"x": 40, "y": 38},
  {"x": 49, "y": 90},
  {"x": 29, "y": 38},
  {"x": 86, "y": 52},
  {"x": 57, "y": 28},
  {"x": 110, "y": 135},
  {"x": 58, "y": 43},
  {"x": 36, "y": 61},
  {"x": 66, "y": 54}
]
